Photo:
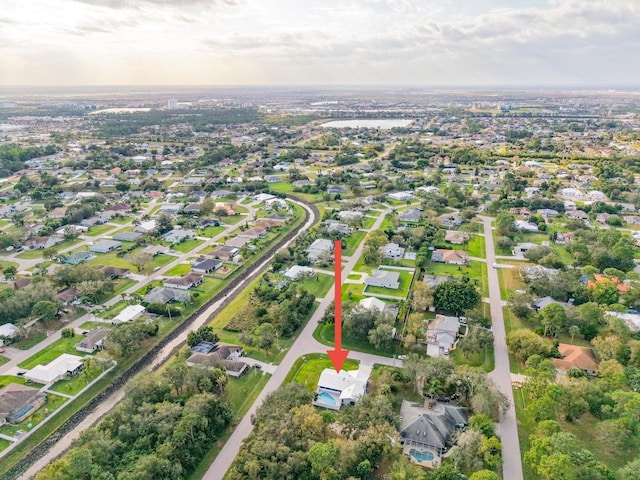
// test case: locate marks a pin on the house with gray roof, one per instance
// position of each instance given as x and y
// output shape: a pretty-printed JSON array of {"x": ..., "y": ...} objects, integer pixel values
[
  {"x": 411, "y": 215},
  {"x": 319, "y": 247},
  {"x": 105, "y": 246},
  {"x": 383, "y": 278},
  {"x": 429, "y": 430}
]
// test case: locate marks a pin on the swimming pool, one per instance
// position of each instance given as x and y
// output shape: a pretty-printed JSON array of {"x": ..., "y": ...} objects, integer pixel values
[
  {"x": 420, "y": 455},
  {"x": 327, "y": 399},
  {"x": 410, "y": 255}
]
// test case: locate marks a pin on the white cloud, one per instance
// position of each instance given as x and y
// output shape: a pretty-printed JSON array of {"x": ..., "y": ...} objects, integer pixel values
[{"x": 316, "y": 41}]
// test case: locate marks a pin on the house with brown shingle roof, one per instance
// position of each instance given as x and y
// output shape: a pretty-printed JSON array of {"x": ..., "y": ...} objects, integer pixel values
[
  {"x": 455, "y": 237},
  {"x": 451, "y": 257},
  {"x": 575, "y": 356}
]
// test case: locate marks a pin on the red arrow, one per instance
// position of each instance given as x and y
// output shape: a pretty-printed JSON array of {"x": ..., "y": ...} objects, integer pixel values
[{"x": 337, "y": 355}]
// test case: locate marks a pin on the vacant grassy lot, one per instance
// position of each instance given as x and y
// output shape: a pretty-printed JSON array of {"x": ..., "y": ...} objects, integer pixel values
[
  {"x": 476, "y": 247},
  {"x": 113, "y": 310},
  {"x": 352, "y": 242},
  {"x": 324, "y": 333},
  {"x": 178, "y": 270},
  {"x": 510, "y": 281},
  {"x": 120, "y": 220},
  {"x": 211, "y": 232},
  {"x": 5, "y": 264},
  {"x": 113, "y": 260},
  {"x": 187, "y": 245},
  {"x": 232, "y": 220},
  {"x": 53, "y": 351},
  {"x": 367, "y": 222},
  {"x": 476, "y": 271},
  {"x": 318, "y": 285},
  {"x": 30, "y": 341},
  {"x": 99, "y": 230}
]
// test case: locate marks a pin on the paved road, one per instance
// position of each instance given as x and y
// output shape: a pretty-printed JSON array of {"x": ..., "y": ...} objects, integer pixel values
[
  {"x": 65, "y": 442},
  {"x": 304, "y": 344},
  {"x": 501, "y": 375}
]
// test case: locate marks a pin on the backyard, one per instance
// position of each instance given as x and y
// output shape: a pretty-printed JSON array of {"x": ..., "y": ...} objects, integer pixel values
[
  {"x": 307, "y": 370},
  {"x": 401, "y": 292}
]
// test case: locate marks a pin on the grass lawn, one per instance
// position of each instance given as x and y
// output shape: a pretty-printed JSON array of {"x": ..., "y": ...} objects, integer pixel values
[
  {"x": 510, "y": 281},
  {"x": 113, "y": 310},
  {"x": 91, "y": 325},
  {"x": 7, "y": 379},
  {"x": 239, "y": 209},
  {"x": 75, "y": 383},
  {"x": 233, "y": 220},
  {"x": 246, "y": 201},
  {"x": 51, "y": 405},
  {"x": 476, "y": 271},
  {"x": 402, "y": 292},
  {"x": 210, "y": 232},
  {"x": 352, "y": 242},
  {"x": 120, "y": 220},
  {"x": 284, "y": 187},
  {"x": 352, "y": 292},
  {"x": 29, "y": 342},
  {"x": 361, "y": 266},
  {"x": 307, "y": 369},
  {"x": 4, "y": 264},
  {"x": 325, "y": 334},
  {"x": 367, "y": 222},
  {"x": 476, "y": 247},
  {"x": 99, "y": 230},
  {"x": 3, "y": 359},
  {"x": 187, "y": 245},
  {"x": 178, "y": 270},
  {"x": 354, "y": 276},
  {"x": 484, "y": 360},
  {"x": 318, "y": 285},
  {"x": 161, "y": 261},
  {"x": 4, "y": 444},
  {"x": 122, "y": 285},
  {"x": 53, "y": 351},
  {"x": 565, "y": 256},
  {"x": 113, "y": 260},
  {"x": 30, "y": 254}
]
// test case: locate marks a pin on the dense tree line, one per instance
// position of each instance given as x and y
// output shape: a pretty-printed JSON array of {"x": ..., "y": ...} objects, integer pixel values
[
  {"x": 12, "y": 156},
  {"x": 152, "y": 434},
  {"x": 16, "y": 305}
]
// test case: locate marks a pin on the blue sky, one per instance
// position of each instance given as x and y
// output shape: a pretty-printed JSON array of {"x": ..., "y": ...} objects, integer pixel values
[{"x": 253, "y": 42}]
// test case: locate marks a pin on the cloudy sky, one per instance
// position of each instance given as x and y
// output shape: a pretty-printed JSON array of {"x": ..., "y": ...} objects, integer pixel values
[{"x": 255, "y": 42}]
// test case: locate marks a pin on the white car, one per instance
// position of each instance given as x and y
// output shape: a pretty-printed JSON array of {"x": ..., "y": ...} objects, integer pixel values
[{"x": 446, "y": 350}]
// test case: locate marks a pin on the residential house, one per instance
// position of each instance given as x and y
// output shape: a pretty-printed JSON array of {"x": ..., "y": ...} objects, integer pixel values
[
  {"x": 178, "y": 235},
  {"x": 337, "y": 227},
  {"x": 297, "y": 271},
  {"x": 92, "y": 341},
  {"x": 212, "y": 355},
  {"x": 273, "y": 179},
  {"x": 128, "y": 314},
  {"x": 526, "y": 226},
  {"x": 154, "y": 250},
  {"x": 375, "y": 304},
  {"x": 392, "y": 250},
  {"x": 428, "y": 432},
  {"x": 18, "y": 401},
  {"x": 456, "y": 237},
  {"x": 127, "y": 236},
  {"x": 146, "y": 227},
  {"x": 335, "y": 189},
  {"x": 37, "y": 243},
  {"x": 237, "y": 242},
  {"x": 521, "y": 248},
  {"x": 548, "y": 212},
  {"x": 77, "y": 258},
  {"x": 350, "y": 216},
  {"x": 410, "y": 215},
  {"x": 59, "y": 368},
  {"x": 450, "y": 220},
  {"x": 401, "y": 196},
  {"x": 603, "y": 218},
  {"x": 537, "y": 271},
  {"x": 442, "y": 334},
  {"x": 206, "y": 265},
  {"x": 165, "y": 295},
  {"x": 450, "y": 257},
  {"x": 7, "y": 331},
  {"x": 577, "y": 215},
  {"x": 224, "y": 252},
  {"x": 253, "y": 233},
  {"x": 574, "y": 356},
  {"x": 345, "y": 387},
  {"x": 318, "y": 248},
  {"x": 184, "y": 282},
  {"x": 539, "y": 303},
  {"x": 622, "y": 287},
  {"x": 383, "y": 278},
  {"x": 632, "y": 219},
  {"x": 105, "y": 246},
  {"x": 434, "y": 280}
]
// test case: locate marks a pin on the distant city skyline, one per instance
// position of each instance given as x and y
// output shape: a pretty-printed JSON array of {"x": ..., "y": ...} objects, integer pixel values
[{"x": 456, "y": 43}]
